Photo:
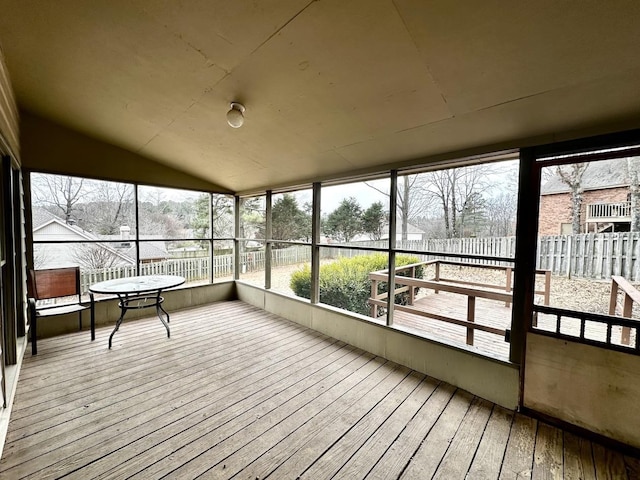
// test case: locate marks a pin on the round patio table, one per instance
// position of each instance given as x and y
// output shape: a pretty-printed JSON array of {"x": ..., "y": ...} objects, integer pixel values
[{"x": 139, "y": 292}]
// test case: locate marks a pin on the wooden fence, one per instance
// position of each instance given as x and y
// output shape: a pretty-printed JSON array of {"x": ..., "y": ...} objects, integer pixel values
[{"x": 589, "y": 255}]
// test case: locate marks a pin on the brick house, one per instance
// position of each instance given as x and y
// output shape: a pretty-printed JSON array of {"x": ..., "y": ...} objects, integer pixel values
[{"x": 605, "y": 206}]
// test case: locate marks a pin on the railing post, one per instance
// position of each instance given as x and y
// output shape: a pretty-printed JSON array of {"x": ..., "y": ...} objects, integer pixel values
[
  {"x": 547, "y": 287},
  {"x": 613, "y": 298},
  {"x": 374, "y": 293},
  {"x": 437, "y": 277},
  {"x": 626, "y": 312},
  {"x": 471, "y": 317},
  {"x": 507, "y": 272},
  {"x": 412, "y": 292}
]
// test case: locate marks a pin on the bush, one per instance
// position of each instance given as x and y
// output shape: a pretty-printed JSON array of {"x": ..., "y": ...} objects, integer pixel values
[{"x": 345, "y": 283}]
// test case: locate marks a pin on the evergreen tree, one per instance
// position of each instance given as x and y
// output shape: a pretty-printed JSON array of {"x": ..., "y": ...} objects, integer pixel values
[
  {"x": 345, "y": 222},
  {"x": 288, "y": 221},
  {"x": 374, "y": 221}
]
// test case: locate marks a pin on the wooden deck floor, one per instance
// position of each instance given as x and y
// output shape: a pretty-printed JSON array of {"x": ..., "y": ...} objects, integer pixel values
[
  {"x": 240, "y": 393},
  {"x": 488, "y": 312}
]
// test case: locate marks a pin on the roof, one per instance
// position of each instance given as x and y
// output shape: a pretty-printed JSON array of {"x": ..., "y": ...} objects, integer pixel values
[
  {"x": 598, "y": 175},
  {"x": 331, "y": 88},
  {"x": 40, "y": 216},
  {"x": 148, "y": 250}
]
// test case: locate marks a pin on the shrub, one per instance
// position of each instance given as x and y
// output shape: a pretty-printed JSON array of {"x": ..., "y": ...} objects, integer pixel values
[{"x": 345, "y": 283}]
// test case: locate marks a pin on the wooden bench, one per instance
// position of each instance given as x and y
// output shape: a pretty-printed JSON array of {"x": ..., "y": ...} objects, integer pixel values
[{"x": 55, "y": 283}]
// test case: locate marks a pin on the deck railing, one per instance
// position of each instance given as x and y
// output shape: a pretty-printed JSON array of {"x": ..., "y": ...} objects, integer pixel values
[
  {"x": 471, "y": 289},
  {"x": 609, "y": 211},
  {"x": 630, "y": 296},
  {"x": 611, "y": 331}
]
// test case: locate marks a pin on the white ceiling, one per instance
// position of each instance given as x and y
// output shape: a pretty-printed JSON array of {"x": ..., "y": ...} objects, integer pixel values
[{"x": 331, "y": 86}]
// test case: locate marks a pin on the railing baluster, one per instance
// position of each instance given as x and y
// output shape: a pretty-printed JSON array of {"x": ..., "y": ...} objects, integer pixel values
[{"x": 471, "y": 317}]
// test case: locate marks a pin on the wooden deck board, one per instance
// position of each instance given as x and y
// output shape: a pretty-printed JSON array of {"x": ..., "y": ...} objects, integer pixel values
[
  {"x": 240, "y": 393},
  {"x": 578, "y": 458},
  {"x": 146, "y": 407},
  {"x": 488, "y": 457},
  {"x": 547, "y": 457},
  {"x": 239, "y": 410},
  {"x": 428, "y": 457},
  {"x": 457, "y": 460}
]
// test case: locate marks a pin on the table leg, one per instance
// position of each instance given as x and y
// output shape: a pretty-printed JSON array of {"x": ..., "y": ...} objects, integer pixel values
[
  {"x": 123, "y": 310},
  {"x": 162, "y": 311}
]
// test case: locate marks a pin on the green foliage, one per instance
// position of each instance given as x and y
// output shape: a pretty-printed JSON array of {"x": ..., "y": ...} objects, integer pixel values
[
  {"x": 345, "y": 222},
  {"x": 345, "y": 283},
  {"x": 252, "y": 217},
  {"x": 374, "y": 220},
  {"x": 200, "y": 222},
  {"x": 288, "y": 221}
]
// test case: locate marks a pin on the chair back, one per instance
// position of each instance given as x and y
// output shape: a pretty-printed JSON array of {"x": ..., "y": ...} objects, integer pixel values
[{"x": 54, "y": 282}]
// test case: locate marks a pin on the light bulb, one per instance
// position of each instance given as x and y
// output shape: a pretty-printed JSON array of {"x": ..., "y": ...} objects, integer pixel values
[{"x": 235, "y": 117}]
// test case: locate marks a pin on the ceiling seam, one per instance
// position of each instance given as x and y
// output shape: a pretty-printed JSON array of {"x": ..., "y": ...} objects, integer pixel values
[{"x": 426, "y": 65}]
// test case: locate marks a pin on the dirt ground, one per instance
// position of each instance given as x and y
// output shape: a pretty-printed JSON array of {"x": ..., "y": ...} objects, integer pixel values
[{"x": 586, "y": 295}]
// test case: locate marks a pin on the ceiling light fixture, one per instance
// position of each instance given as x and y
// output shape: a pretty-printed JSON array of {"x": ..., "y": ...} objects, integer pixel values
[{"x": 235, "y": 117}]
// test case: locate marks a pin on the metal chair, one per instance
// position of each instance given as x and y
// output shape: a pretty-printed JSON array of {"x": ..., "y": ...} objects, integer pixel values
[{"x": 55, "y": 283}]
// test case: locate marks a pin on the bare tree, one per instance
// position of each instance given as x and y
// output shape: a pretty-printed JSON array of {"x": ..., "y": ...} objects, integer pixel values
[
  {"x": 457, "y": 190},
  {"x": 633, "y": 168},
  {"x": 412, "y": 202},
  {"x": 60, "y": 194},
  {"x": 41, "y": 256},
  {"x": 501, "y": 214},
  {"x": 222, "y": 213},
  {"x": 110, "y": 208},
  {"x": 94, "y": 256},
  {"x": 572, "y": 175}
]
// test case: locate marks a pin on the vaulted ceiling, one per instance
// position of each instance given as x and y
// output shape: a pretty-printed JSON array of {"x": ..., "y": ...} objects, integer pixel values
[{"x": 331, "y": 87}]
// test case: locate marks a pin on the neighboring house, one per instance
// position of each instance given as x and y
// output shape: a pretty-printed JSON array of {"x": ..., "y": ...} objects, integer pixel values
[
  {"x": 151, "y": 249},
  {"x": 49, "y": 227},
  {"x": 413, "y": 233},
  {"x": 605, "y": 205}
]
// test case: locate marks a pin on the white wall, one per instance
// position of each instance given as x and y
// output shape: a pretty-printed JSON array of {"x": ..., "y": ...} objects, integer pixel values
[{"x": 587, "y": 386}]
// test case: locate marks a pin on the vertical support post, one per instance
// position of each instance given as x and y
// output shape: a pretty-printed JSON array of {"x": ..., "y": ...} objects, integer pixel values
[
  {"x": 391, "y": 281},
  {"x": 137, "y": 214},
  {"x": 315, "y": 240},
  {"x": 471, "y": 317},
  {"x": 525, "y": 255},
  {"x": 236, "y": 238},
  {"x": 211, "y": 244},
  {"x": 508, "y": 272},
  {"x": 7, "y": 278},
  {"x": 437, "y": 276},
  {"x": 268, "y": 244}
]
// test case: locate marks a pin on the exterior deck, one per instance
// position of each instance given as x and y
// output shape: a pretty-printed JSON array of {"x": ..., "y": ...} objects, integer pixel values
[
  {"x": 240, "y": 393},
  {"x": 488, "y": 312}
]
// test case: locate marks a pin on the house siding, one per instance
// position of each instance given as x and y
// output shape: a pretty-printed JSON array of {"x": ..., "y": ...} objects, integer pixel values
[
  {"x": 9, "y": 120},
  {"x": 555, "y": 209}
]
